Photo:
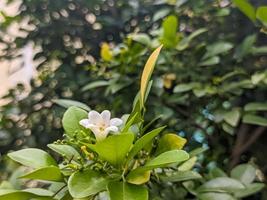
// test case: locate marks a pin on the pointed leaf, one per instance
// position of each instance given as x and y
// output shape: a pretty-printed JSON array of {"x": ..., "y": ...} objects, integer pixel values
[
  {"x": 246, "y": 8},
  {"x": 143, "y": 141},
  {"x": 148, "y": 69}
]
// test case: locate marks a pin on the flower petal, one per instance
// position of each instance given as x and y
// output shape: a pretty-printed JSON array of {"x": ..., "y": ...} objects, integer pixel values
[
  {"x": 99, "y": 135},
  {"x": 116, "y": 122},
  {"x": 106, "y": 117},
  {"x": 112, "y": 128},
  {"x": 84, "y": 123},
  {"x": 94, "y": 117}
]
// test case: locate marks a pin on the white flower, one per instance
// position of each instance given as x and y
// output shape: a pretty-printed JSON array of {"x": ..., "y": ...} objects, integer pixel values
[{"x": 101, "y": 124}]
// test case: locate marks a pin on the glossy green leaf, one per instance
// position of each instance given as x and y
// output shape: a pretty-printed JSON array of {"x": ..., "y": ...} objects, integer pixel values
[
  {"x": 183, "y": 88},
  {"x": 197, "y": 151},
  {"x": 254, "y": 119},
  {"x": 66, "y": 103},
  {"x": 232, "y": 117},
  {"x": 141, "y": 38},
  {"x": 114, "y": 148},
  {"x": 217, "y": 48},
  {"x": 210, "y": 61},
  {"x": 246, "y": 8},
  {"x": 66, "y": 151},
  {"x": 257, "y": 78},
  {"x": 185, "y": 42},
  {"x": 221, "y": 184},
  {"x": 32, "y": 157},
  {"x": 215, "y": 196},
  {"x": 217, "y": 172},
  {"x": 46, "y": 173},
  {"x": 71, "y": 119},
  {"x": 126, "y": 191},
  {"x": 169, "y": 26},
  {"x": 166, "y": 158},
  {"x": 138, "y": 177},
  {"x": 95, "y": 84},
  {"x": 249, "y": 190},
  {"x": 256, "y": 106},
  {"x": 188, "y": 165},
  {"x": 169, "y": 142},
  {"x": 181, "y": 176},
  {"x": 148, "y": 69},
  {"x": 85, "y": 183},
  {"x": 246, "y": 173},
  {"x": 163, "y": 160},
  {"x": 28, "y": 194},
  {"x": 143, "y": 141},
  {"x": 262, "y": 14}
]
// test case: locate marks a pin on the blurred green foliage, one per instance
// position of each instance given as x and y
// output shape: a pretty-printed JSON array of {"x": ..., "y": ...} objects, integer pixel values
[{"x": 209, "y": 85}]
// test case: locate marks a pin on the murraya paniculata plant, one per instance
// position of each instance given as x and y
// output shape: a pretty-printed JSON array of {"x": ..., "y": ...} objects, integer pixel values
[{"x": 124, "y": 159}]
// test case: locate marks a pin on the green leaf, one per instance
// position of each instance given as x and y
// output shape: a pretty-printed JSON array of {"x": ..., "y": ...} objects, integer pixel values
[
  {"x": 39, "y": 192},
  {"x": 143, "y": 141},
  {"x": 245, "y": 47},
  {"x": 217, "y": 172},
  {"x": 32, "y": 157},
  {"x": 197, "y": 151},
  {"x": 221, "y": 184},
  {"x": 262, "y": 14},
  {"x": 95, "y": 84},
  {"x": 181, "y": 176},
  {"x": 210, "y": 61},
  {"x": 138, "y": 177},
  {"x": 184, "y": 43},
  {"x": 160, "y": 14},
  {"x": 148, "y": 69},
  {"x": 163, "y": 160},
  {"x": 249, "y": 190},
  {"x": 66, "y": 103},
  {"x": 141, "y": 38},
  {"x": 188, "y": 165},
  {"x": 114, "y": 148},
  {"x": 169, "y": 142},
  {"x": 166, "y": 158},
  {"x": 256, "y": 106},
  {"x": 85, "y": 183},
  {"x": 215, "y": 196},
  {"x": 246, "y": 173},
  {"x": 126, "y": 191},
  {"x": 232, "y": 117},
  {"x": 183, "y": 88},
  {"x": 246, "y": 8},
  {"x": 217, "y": 48},
  {"x": 65, "y": 150},
  {"x": 169, "y": 26},
  {"x": 71, "y": 119},
  {"x": 46, "y": 173},
  {"x": 257, "y": 78},
  {"x": 28, "y": 194},
  {"x": 254, "y": 119}
]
